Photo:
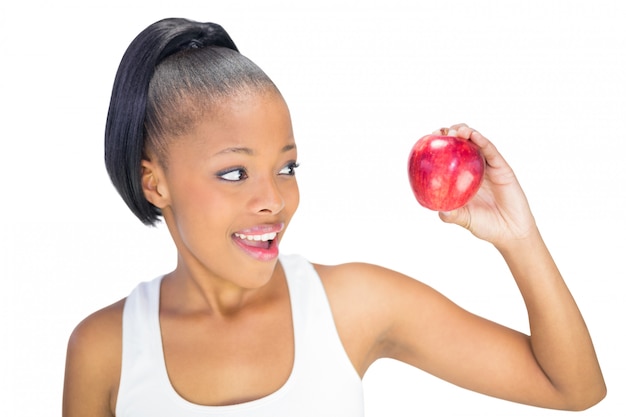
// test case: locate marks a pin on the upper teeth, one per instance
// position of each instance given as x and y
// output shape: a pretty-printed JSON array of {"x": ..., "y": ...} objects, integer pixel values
[{"x": 264, "y": 237}]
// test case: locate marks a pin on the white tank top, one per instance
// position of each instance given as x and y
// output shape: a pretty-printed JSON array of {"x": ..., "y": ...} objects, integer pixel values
[{"x": 322, "y": 382}]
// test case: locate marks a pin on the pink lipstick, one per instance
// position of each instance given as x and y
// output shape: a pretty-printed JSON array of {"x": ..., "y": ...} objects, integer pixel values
[{"x": 259, "y": 241}]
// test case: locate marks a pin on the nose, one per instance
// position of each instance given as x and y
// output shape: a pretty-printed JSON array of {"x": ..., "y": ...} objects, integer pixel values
[{"x": 267, "y": 197}]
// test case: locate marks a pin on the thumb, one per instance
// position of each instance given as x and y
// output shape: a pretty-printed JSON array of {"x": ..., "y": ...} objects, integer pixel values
[{"x": 460, "y": 216}]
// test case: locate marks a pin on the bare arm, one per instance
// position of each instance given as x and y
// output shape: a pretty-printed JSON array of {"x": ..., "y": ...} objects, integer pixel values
[
  {"x": 555, "y": 366},
  {"x": 559, "y": 339}
]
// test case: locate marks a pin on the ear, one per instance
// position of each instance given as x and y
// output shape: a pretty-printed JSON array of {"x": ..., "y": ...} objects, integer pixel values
[{"x": 153, "y": 184}]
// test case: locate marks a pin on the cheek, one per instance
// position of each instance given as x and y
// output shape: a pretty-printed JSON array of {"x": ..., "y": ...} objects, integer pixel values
[
  {"x": 292, "y": 197},
  {"x": 194, "y": 207},
  {"x": 189, "y": 198},
  {"x": 202, "y": 225}
]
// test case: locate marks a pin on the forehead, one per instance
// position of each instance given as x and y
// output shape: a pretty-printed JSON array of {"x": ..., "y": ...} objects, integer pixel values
[{"x": 256, "y": 120}]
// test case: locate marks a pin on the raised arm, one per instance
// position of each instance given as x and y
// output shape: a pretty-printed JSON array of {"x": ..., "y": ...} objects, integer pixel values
[
  {"x": 559, "y": 339},
  {"x": 554, "y": 367}
]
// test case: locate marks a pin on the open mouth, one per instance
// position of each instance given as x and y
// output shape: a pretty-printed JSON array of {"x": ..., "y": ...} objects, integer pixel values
[{"x": 262, "y": 241}]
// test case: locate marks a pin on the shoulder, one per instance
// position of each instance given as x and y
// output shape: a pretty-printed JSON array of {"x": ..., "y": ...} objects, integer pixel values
[
  {"x": 366, "y": 282},
  {"x": 100, "y": 331},
  {"x": 357, "y": 291},
  {"x": 371, "y": 290},
  {"x": 93, "y": 363},
  {"x": 386, "y": 298},
  {"x": 368, "y": 302}
]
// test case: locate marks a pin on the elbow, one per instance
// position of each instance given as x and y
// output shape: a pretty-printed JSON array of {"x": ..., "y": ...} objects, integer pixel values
[
  {"x": 598, "y": 396},
  {"x": 587, "y": 399}
]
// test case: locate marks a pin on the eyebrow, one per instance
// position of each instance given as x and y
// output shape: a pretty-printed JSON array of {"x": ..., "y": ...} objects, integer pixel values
[{"x": 249, "y": 151}]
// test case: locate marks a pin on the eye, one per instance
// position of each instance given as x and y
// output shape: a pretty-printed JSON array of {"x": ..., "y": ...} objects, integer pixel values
[
  {"x": 289, "y": 169},
  {"x": 233, "y": 174}
]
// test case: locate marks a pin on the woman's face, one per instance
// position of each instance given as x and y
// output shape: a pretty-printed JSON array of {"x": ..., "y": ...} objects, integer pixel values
[{"x": 229, "y": 190}]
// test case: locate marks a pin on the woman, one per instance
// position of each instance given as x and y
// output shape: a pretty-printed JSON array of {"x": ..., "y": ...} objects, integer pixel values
[{"x": 198, "y": 135}]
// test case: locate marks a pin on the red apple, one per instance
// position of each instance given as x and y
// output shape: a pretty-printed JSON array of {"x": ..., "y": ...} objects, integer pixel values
[{"x": 445, "y": 171}]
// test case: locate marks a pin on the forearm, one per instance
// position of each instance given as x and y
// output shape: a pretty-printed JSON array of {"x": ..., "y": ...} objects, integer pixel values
[{"x": 559, "y": 338}]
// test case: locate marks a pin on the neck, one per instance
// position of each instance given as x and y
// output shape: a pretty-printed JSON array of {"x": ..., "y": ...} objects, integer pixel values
[{"x": 192, "y": 289}]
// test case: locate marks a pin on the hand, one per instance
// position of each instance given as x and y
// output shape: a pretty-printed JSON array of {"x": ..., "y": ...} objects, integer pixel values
[{"x": 499, "y": 212}]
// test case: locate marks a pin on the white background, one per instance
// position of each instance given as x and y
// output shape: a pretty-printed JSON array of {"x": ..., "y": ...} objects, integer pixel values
[{"x": 543, "y": 79}]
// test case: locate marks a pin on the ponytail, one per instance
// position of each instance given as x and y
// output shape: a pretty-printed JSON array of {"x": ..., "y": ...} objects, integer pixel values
[{"x": 125, "y": 125}]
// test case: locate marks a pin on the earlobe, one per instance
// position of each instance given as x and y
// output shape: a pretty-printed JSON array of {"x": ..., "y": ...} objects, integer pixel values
[{"x": 154, "y": 188}]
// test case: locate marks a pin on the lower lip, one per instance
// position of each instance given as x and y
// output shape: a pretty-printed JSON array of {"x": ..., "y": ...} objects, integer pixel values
[{"x": 260, "y": 254}]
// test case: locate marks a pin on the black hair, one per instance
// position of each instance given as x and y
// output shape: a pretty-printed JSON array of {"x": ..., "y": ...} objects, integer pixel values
[{"x": 171, "y": 64}]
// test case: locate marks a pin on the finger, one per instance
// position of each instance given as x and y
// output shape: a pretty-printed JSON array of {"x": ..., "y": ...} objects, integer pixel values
[
  {"x": 466, "y": 132},
  {"x": 491, "y": 154},
  {"x": 449, "y": 131},
  {"x": 461, "y": 217},
  {"x": 460, "y": 130},
  {"x": 458, "y": 126}
]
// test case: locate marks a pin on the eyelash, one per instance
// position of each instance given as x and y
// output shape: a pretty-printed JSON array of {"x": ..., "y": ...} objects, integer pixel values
[
  {"x": 223, "y": 175},
  {"x": 241, "y": 173},
  {"x": 291, "y": 167}
]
